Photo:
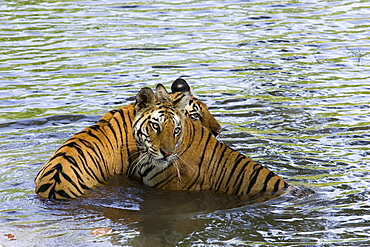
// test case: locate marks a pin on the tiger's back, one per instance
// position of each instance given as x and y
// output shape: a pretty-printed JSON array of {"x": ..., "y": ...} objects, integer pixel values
[
  {"x": 217, "y": 167},
  {"x": 89, "y": 157}
]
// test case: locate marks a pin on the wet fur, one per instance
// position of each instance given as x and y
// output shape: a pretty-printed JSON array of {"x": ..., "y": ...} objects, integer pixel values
[
  {"x": 90, "y": 157},
  {"x": 199, "y": 161}
]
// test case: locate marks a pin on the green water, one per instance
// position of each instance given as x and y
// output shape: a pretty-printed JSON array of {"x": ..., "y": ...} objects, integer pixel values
[{"x": 288, "y": 80}]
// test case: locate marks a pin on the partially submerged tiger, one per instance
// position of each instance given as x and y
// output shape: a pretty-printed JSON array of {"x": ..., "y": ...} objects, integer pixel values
[
  {"x": 158, "y": 141},
  {"x": 179, "y": 154},
  {"x": 90, "y": 157}
]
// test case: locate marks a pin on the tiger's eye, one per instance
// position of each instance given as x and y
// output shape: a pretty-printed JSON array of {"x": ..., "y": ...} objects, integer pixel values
[
  {"x": 177, "y": 130},
  {"x": 155, "y": 126},
  {"x": 195, "y": 116}
]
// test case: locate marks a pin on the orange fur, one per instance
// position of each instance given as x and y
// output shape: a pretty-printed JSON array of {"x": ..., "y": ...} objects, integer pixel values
[
  {"x": 198, "y": 161},
  {"x": 90, "y": 157}
]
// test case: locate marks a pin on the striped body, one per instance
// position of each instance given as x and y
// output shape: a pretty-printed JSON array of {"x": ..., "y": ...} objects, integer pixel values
[
  {"x": 90, "y": 157},
  {"x": 207, "y": 164},
  {"x": 197, "y": 161}
]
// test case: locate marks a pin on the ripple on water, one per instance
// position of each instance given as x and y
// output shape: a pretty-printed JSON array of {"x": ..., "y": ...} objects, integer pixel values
[{"x": 287, "y": 80}]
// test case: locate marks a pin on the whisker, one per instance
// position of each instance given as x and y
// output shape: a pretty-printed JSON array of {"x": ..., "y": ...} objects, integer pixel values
[
  {"x": 135, "y": 153},
  {"x": 132, "y": 145},
  {"x": 137, "y": 162},
  {"x": 184, "y": 162},
  {"x": 176, "y": 165},
  {"x": 222, "y": 139}
]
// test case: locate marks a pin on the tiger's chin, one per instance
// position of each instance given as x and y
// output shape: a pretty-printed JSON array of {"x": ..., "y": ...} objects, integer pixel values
[
  {"x": 150, "y": 169},
  {"x": 148, "y": 163},
  {"x": 162, "y": 159},
  {"x": 163, "y": 162}
]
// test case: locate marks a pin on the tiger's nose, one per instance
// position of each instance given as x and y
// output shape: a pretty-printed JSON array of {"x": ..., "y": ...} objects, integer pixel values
[{"x": 165, "y": 153}]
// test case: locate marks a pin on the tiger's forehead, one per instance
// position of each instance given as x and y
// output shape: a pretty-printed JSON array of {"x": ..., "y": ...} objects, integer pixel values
[
  {"x": 195, "y": 104},
  {"x": 163, "y": 114}
]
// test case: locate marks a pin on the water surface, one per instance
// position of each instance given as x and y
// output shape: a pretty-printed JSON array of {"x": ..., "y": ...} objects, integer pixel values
[{"x": 288, "y": 80}]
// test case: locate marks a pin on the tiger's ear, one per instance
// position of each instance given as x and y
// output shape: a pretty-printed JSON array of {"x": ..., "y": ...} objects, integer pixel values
[
  {"x": 181, "y": 100},
  {"x": 180, "y": 85},
  {"x": 162, "y": 94},
  {"x": 144, "y": 99}
]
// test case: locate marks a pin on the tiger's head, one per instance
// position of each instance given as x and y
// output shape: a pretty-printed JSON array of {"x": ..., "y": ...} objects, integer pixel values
[
  {"x": 158, "y": 126},
  {"x": 196, "y": 110}
]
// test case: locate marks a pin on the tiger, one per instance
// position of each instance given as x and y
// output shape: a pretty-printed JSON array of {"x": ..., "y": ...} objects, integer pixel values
[
  {"x": 176, "y": 153},
  {"x": 106, "y": 148},
  {"x": 196, "y": 109}
]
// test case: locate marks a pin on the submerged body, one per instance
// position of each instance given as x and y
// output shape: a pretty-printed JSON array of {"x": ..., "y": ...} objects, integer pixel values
[
  {"x": 178, "y": 154},
  {"x": 157, "y": 141},
  {"x": 90, "y": 157}
]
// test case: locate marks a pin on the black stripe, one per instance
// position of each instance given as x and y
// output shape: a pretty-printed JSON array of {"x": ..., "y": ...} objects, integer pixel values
[
  {"x": 276, "y": 187},
  {"x": 80, "y": 180},
  {"x": 253, "y": 179},
  {"x": 44, "y": 188},
  {"x": 100, "y": 157},
  {"x": 160, "y": 172},
  {"x": 65, "y": 144},
  {"x": 98, "y": 129},
  {"x": 48, "y": 173},
  {"x": 94, "y": 159},
  {"x": 113, "y": 111},
  {"x": 220, "y": 167},
  {"x": 52, "y": 192},
  {"x": 40, "y": 172},
  {"x": 63, "y": 194},
  {"x": 100, "y": 169},
  {"x": 220, "y": 158},
  {"x": 121, "y": 139},
  {"x": 190, "y": 134},
  {"x": 59, "y": 174},
  {"x": 213, "y": 156},
  {"x": 165, "y": 181},
  {"x": 210, "y": 162},
  {"x": 148, "y": 169},
  {"x": 236, "y": 164},
  {"x": 240, "y": 178},
  {"x": 71, "y": 159},
  {"x": 87, "y": 144},
  {"x": 178, "y": 99},
  {"x": 238, "y": 190},
  {"x": 83, "y": 162},
  {"x": 56, "y": 177},
  {"x": 68, "y": 178},
  {"x": 267, "y": 180},
  {"x": 201, "y": 160},
  {"x": 139, "y": 131},
  {"x": 128, "y": 126},
  {"x": 220, "y": 178},
  {"x": 58, "y": 154},
  {"x": 103, "y": 119},
  {"x": 125, "y": 130},
  {"x": 114, "y": 134}
]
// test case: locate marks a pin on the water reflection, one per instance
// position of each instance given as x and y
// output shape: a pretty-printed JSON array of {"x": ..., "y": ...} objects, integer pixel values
[
  {"x": 143, "y": 216},
  {"x": 287, "y": 80}
]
